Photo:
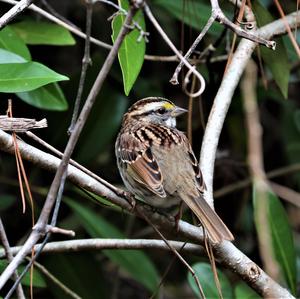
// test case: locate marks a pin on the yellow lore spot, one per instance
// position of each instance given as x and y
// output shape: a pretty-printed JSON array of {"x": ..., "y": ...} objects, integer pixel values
[{"x": 168, "y": 106}]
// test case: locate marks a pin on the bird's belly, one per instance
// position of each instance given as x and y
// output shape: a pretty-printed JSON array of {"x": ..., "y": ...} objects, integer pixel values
[{"x": 162, "y": 202}]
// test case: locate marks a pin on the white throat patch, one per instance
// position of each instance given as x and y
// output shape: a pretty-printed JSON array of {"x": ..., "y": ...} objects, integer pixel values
[{"x": 171, "y": 122}]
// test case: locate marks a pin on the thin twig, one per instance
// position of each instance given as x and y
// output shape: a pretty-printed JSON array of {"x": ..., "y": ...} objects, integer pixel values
[
  {"x": 85, "y": 63},
  {"x": 60, "y": 22},
  {"x": 52, "y": 194},
  {"x": 9, "y": 255},
  {"x": 247, "y": 182},
  {"x": 55, "y": 280},
  {"x": 78, "y": 32},
  {"x": 174, "y": 49},
  {"x": 76, "y": 164},
  {"x": 234, "y": 39},
  {"x": 174, "y": 79},
  {"x": 288, "y": 29},
  {"x": 134, "y": 25},
  {"x": 222, "y": 19},
  {"x": 190, "y": 113},
  {"x": 99, "y": 244},
  {"x": 286, "y": 193},
  {"x": 218, "y": 15},
  {"x": 48, "y": 230},
  {"x": 167, "y": 270},
  {"x": 176, "y": 253},
  {"x": 54, "y": 13},
  {"x": 14, "y": 11}
]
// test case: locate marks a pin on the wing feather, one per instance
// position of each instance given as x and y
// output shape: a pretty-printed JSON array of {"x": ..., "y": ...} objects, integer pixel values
[
  {"x": 137, "y": 157},
  {"x": 198, "y": 173}
]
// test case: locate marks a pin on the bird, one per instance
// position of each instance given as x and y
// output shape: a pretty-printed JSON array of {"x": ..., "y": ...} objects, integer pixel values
[{"x": 157, "y": 164}]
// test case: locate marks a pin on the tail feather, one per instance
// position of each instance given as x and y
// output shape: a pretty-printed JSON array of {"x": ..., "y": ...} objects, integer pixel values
[{"x": 215, "y": 227}]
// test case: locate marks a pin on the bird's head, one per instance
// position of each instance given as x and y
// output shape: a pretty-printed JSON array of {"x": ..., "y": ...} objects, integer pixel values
[{"x": 155, "y": 110}]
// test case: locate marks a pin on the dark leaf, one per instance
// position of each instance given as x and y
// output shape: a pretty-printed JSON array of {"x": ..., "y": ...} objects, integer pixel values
[
  {"x": 281, "y": 236},
  {"x": 206, "y": 279}
]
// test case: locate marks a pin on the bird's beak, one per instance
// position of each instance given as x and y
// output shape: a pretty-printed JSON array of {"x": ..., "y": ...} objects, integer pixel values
[{"x": 178, "y": 111}]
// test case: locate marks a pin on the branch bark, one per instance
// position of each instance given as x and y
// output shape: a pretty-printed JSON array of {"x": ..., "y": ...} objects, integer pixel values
[
  {"x": 226, "y": 252},
  {"x": 224, "y": 95},
  {"x": 99, "y": 244},
  {"x": 8, "y": 253},
  {"x": 14, "y": 11}
]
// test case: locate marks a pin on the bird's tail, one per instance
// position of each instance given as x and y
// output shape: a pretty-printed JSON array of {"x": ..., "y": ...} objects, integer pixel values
[{"x": 213, "y": 224}]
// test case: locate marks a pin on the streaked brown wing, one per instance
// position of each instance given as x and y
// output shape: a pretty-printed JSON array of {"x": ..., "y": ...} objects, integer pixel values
[
  {"x": 141, "y": 164},
  {"x": 198, "y": 174}
]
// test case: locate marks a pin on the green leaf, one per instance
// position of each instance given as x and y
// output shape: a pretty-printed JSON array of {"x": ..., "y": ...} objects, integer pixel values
[
  {"x": 131, "y": 53},
  {"x": 193, "y": 13},
  {"x": 43, "y": 33},
  {"x": 205, "y": 276},
  {"x": 6, "y": 201},
  {"x": 281, "y": 236},
  {"x": 48, "y": 97},
  {"x": 18, "y": 77},
  {"x": 10, "y": 41},
  {"x": 242, "y": 291},
  {"x": 277, "y": 61},
  {"x": 10, "y": 57},
  {"x": 283, "y": 242},
  {"x": 38, "y": 279},
  {"x": 135, "y": 262}
]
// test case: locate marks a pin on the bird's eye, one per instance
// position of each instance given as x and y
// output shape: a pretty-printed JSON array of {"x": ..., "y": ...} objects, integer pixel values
[{"x": 161, "y": 110}]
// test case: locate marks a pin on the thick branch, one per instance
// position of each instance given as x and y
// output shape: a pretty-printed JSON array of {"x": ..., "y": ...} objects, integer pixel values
[
  {"x": 224, "y": 96},
  {"x": 14, "y": 11},
  {"x": 99, "y": 244},
  {"x": 227, "y": 253}
]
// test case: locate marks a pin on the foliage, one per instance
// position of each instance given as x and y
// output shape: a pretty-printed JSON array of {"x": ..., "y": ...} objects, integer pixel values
[
  {"x": 206, "y": 278},
  {"x": 40, "y": 66},
  {"x": 281, "y": 235},
  {"x": 132, "y": 51}
]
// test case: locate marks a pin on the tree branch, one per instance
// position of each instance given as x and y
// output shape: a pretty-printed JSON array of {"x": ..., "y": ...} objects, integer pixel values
[
  {"x": 14, "y": 11},
  {"x": 224, "y": 96},
  {"x": 8, "y": 253},
  {"x": 56, "y": 184},
  {"x": 99, "y": 244},
  {"x": 226, "y": 252}
]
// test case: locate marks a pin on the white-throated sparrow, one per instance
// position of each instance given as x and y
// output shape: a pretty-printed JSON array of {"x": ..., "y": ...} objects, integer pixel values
[{"x": 157, "y": 164}]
